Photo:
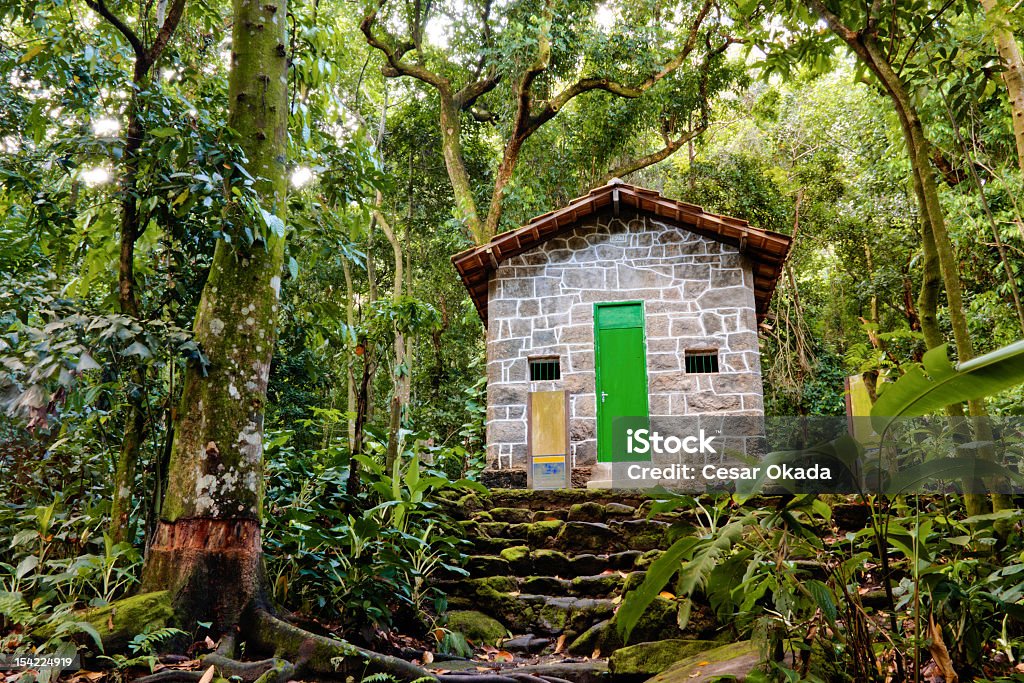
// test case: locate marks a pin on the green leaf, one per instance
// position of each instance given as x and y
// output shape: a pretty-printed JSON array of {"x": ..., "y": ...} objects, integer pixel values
[
  {"x": 293, "y": 267},
  {"x": 137, "y": 349},
  {"x": 164, "y": 132},
  {"x": 274, "y": 223},
  {"x": 31, "y": 53},
  {"x": 916, "y": 393},
  {"x": 661, "y": 570},
  {"x": 27, "y": 564},
  {"x": 823, "y": 599},
  {"x": 962, "y": 468}
]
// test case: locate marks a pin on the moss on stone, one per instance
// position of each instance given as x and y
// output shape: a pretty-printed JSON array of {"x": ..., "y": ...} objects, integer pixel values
[
  {"x": 553, "y": 618},
  {"x": 633, "y": 581},
  {"x": 586, "y": 512},
  {"x": 477, "y": 627},
  {"x": 513, "y": 515},
  {"x": 498, "y": 584},
  {"x": 654, "y": 657},
  {"x": 551, "y": 562},
  {"x": 470, "y": 503},
  {"x": 602, "y": 584},
  {"x": 733, "y": 661},
  {"x": 539, "y": 532},
  {"x": 487, "y": 565},
  {"x": 497, "y": 529},
  {"x": 120, "y": 621},
  {"x": 590, "y": 640},
  {"x": 548, "y": 515},
  {"x": 515, "y": 554},
  {"x": 644, "y": 561}
]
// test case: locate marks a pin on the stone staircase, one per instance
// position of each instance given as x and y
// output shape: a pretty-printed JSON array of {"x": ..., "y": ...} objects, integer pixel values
[{"x": 552, "y": 567}]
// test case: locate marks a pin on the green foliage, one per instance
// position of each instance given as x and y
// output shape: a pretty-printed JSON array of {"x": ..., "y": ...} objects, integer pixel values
[
  {"x": 368, "y": 559},
  {"x": 918, "y": 394}
]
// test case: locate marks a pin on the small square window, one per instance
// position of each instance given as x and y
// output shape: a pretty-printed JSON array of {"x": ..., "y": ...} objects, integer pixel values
[
  {"x": 545, "y": 369},
  {"x": 701, "y": 361}
]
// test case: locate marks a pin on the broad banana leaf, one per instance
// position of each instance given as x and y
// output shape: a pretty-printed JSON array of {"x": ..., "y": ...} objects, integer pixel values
[{"x": 920, "y": 392}]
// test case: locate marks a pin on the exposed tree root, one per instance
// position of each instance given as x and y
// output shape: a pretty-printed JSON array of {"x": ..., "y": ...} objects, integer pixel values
[
  {"x": 171, "y": 676},
  {"x": 320, "y": 654},
  {"x": 295, "y": 650}
]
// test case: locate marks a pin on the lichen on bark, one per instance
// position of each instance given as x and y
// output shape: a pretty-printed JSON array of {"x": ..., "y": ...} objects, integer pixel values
[{"x": 208, "y": 539}]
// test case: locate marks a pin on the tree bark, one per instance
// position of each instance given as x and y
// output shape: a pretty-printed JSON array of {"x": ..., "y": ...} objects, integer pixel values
[
  {"x": 1013, "y": 76},
  {"x": 400, "y": 374},
  {"x": 207, "y": 546}
]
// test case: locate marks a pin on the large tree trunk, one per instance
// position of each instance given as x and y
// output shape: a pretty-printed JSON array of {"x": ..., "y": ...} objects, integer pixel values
[
  {"x": 1013, "y": 76},
  {"x": 207, "y": 549}
]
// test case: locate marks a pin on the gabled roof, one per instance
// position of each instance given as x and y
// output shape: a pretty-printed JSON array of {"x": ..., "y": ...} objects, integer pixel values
[{"x": 766, "y": 250}]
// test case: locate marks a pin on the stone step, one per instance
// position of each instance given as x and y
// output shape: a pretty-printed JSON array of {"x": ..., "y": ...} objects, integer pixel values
[
  {"x": 538, "y": 614},
  {"x": 572, "y": 669},
  {"x": 522, "y": 561},
  {"x": 571, "y": 536},
  {"x": 605, "y": 585}
]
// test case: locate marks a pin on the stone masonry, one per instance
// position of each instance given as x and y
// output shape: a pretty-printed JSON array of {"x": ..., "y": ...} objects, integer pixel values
[{"x": 698, "y": 294}]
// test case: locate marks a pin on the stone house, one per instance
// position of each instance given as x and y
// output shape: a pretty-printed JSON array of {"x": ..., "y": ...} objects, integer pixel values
[{"x": 633, "y": 303}]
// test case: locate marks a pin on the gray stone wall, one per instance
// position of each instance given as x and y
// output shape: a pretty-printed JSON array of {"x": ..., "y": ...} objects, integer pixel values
[{"x": 698, "y": 294}]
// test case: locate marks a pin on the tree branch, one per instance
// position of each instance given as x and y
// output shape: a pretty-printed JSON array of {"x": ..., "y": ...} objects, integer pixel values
[
  {"x": 467, "y": 96},
  {"x": 670, "y": 148},
  {"x": 166, "y": 31},
  {"x": 394, "y": 56},
  {"x": 100, "y": 7},
  {"x": 556, "y": 103},
  {"x": 833, "y": 20}
]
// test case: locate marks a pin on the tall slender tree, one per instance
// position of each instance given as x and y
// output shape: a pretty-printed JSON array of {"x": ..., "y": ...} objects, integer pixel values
[{"x": 131, "y": 227}]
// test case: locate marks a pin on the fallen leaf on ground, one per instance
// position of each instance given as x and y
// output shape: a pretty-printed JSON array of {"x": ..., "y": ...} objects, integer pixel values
[
  {"x": 503, "y": 656},
  {"x": 428, "y": 657},
  {"x": 207, "y": 676},
  {"x": 560, "y": 644},
  {"x": 666, "y": 595},
  {"x": 940, "y": 654}
]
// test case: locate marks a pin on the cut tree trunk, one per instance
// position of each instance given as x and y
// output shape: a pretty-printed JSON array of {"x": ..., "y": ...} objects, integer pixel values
[{"x": 207, "y": 549}]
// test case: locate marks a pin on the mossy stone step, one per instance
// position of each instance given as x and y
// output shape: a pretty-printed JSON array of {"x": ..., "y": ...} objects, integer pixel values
[
  {"x": 732, "y": 661},
  {"x": 660, "y": 621},
  {"x": 511, "y": 515},
  {"x": 573, "y": 537},
  {"x": 524, "y": 561},
  {"x": 539, "y": 614},
  {"x": 643, "y": 660},
  {"x": 603, "y": 585},
  {"x": 561, "y": 499},
  {"x": 596, "y": 586}
]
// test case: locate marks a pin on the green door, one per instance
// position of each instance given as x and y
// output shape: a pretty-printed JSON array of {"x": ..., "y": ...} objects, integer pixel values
[{"x": 621, "y": 366}]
